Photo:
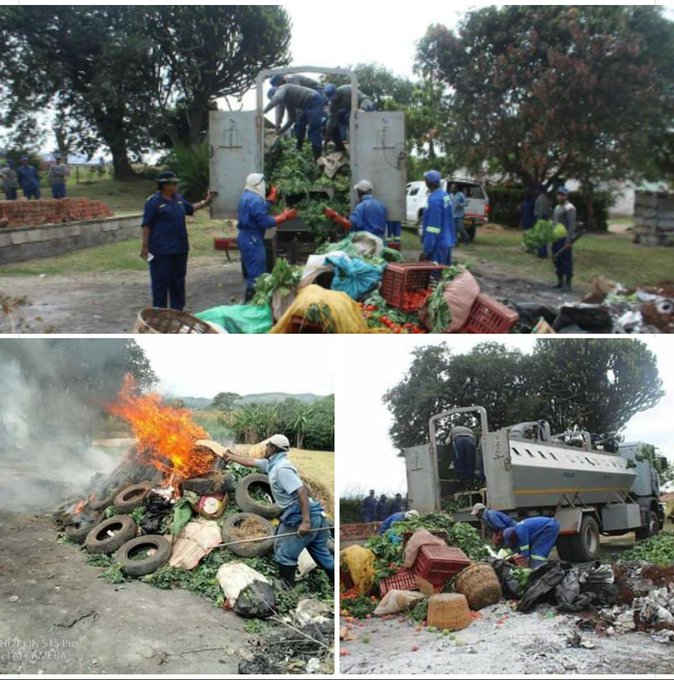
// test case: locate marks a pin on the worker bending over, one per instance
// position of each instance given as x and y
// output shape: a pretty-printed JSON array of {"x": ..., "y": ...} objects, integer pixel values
[
  {"x": 494, "y": 519},
  {"x": 396, "y": 517},
  {"x": 533, "y": 538},
  {"x": 301, "y": 515}
]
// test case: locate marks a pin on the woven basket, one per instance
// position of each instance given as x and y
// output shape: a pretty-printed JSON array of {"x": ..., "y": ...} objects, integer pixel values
[
  {"x": 153, "y": 320},
  {"x": 480, "y": 585},
  {"x": 448, "y": 611}
]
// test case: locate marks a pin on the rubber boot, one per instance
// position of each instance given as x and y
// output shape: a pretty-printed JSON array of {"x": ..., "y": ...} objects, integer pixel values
[
  {"x": 567, "y": 284},
  {"x": 331, "y": 575},
  {"x": 287, "y": 574},
  {"x": 250, "y": 292},
  {"x": 560, "y": 283}
]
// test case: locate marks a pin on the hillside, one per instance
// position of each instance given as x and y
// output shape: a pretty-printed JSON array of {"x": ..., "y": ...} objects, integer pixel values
[{"x": 199, "y": 403}]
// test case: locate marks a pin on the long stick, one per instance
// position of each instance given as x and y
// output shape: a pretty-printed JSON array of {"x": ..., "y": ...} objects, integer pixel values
[{"x": 267, "y": 538}]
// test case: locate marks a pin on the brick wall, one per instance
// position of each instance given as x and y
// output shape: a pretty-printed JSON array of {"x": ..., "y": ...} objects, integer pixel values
[{"x": 33, "y": 213}]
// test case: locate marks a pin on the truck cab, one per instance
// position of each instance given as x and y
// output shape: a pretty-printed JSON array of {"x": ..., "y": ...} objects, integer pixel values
[{"x": 529, "y": 471}]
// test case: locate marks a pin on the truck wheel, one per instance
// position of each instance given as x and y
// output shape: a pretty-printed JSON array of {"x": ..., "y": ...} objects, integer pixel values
[
  {"x": 651, "y": 528},
  {"x": 585, "y": 544},
  {"x": 564, "y": 548},
  {"x": 247, "y": 503}
]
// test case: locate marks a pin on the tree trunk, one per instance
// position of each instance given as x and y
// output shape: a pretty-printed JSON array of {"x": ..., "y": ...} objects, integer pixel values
[
  {"x": 195, "y": 119},
  {"x": 120, "y": 162},
  {"x": 589, "y": 210},
  {"x": 431, "y": 150}
]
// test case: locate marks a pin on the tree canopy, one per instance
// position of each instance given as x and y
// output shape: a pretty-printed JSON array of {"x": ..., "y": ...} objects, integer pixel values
[
  {"x": 597, "y": 385},
  {"x": 557, "y": 91}
]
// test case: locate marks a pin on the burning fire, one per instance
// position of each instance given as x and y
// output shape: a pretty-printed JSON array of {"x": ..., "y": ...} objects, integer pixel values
[
  {"x": 80, "y": 506},
  {"x": 166, "y": 435}
]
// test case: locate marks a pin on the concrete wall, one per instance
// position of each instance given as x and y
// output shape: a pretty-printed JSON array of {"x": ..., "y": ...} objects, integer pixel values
[
  {"x": 654, "y": 218},
  {"x": 28, "y": 243}
]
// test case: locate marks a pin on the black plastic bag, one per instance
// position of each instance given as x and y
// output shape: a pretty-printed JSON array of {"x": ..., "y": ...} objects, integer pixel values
[
  {"x": 589, "y": 318},
  {"x": 510, "y": 584},
  {"x": 587, "y": 586},
  {"x": 541, "y": 585},
  {"x": 531, "y": 312},
  {"x": 256, "y": 601},
  {"x": 156, "y": 508}
]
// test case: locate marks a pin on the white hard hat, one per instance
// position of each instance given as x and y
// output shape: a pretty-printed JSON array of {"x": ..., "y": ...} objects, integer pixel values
[
  {"x": 411, "y": 513},
  {"x": 364, "y": 186},
  {"x": 280, "y": 441},
  {"x": 478, "y": 507}
]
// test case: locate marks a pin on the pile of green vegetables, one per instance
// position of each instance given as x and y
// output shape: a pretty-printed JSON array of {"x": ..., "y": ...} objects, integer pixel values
[
  {"x": 284, "y": 279},
  {"x": 658, "y": 550},
  {"x": 541, "y": 234},
  {"x": 296, "y": 175}
]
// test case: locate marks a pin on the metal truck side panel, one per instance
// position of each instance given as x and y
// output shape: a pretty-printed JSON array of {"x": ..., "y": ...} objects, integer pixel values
[
  {"x": 234, "y": 151},
  {"x": 380, "y": 156},
  {"x": 421, "y": 479},
  {"x": 569, "y": 520},
  {"x": 620, "y": 516},
  {"x": 498, "y": 471},
  {"x": 644, "y": 483}
]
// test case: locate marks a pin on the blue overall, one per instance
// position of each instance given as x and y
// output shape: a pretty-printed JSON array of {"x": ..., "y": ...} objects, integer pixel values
[
  {"x": 394, "y": 230},
  {"x": 382, "y": 510},
  {"x": 285, "y": 482},
  {"x": 369, "y": 215},
  {"x": 170, "y": 246},
  {"x": 369, "y": 509},
  {"x": 396, "y": 506},
  {"x": 438, "y": 237},
  {"x": 464, "y": 457},
  {"x": 28, "y": 181},
  {"x": 390, "y": 520},
  {"x": 254, "y": 220},
  {"x": 498, "y": 521},
  {"x": 534, "y": 537},
  {"x": 312, "y": 116},
  {"x": 58, "y": 190}
]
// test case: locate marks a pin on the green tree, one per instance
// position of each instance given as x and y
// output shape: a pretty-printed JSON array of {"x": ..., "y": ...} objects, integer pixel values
[
  {"x": 388, "y": 91},
  {"x": 320, "y": 426},
  {"x": 553, "y": 92},
  {"x": 299, "y": 425},
  {"x": 223, "y": 401}
]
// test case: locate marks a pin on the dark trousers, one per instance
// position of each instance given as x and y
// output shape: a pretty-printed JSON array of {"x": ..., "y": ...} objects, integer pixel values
[
  {"x": 464, "y": 457},
  {"x": 10, "y": 194},
  {"x": 58, "y": 190},
  {"x": 167, "y": 276},
  {"x": 31, "y": 191},
  {"x": 563, "y": 261}
]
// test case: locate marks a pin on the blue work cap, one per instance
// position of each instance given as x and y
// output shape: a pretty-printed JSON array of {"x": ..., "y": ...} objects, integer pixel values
[
  {"x": 330, "y": 90},
  {"x": 563, "y": 190},
  {"x": 276, "y": 80},
  {"x": 433, "y": 176},
  {"x": 271, "y": 93}
]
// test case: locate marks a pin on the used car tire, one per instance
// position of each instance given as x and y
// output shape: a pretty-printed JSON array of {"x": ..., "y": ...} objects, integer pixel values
[
  {"x": 77, "y": 534},
  {"x": 253, "y": 549},
  {"x": 104, "y": 503},
  {"x": 98, "y": 541},
  {"x": 147, "y": 565},
  {"x": 210, "y": 484},
  {"x": 246, "y": 503},
  {"x": 132, "y": 497}
]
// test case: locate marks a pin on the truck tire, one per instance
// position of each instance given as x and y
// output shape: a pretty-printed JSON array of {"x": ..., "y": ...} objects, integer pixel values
[
  {"x": 132, "y": 497},
  {"x": 652, "y": 527},
  {"x": 245, "y": 501},
  {"x": 123, "y": 528},
  {"x": 253, "y": 549},
  {"x": 585, "y": 544},
  {"x": 78, "y": 533},
  {"x": 564, "y": 549},
  {"x": 147, "y": 565}
]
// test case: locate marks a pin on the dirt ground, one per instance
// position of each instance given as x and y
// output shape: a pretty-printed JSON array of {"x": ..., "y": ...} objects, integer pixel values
[
  {"x": 109, "y": 302},
  {"x": 57, "y": 616},
  {"x": 501, "y": 641}
]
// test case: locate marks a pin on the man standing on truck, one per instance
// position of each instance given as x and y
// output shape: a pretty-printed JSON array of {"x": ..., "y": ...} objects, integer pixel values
[
  {"x": 495, "y": 520},
  {"x": 437, "y": 235},
  {"x": 463, "y": 447},
  {"x": 254, "y": 220},
  {"x": 340, "y": 111},
  {"x": 301, "y": 515},
  {"x": 562, "y": 256},
  {"x": 533, "y": 538},
  {"x": 369, "y": 508},
  {"x": 304, "y": 106},
  {"x": 369, "y": 215}
]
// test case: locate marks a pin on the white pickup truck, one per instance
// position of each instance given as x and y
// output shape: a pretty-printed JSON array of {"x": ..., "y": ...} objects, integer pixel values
[{"x": 477, "y": 202}]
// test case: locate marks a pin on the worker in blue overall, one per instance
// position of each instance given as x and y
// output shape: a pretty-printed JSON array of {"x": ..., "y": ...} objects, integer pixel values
[
  {"x": 254, "y": 220},
  {"x": 495, "y": 520},
  {"x": 369, "y": 215},
  {"x": 437, "y": 234},
  {"x": 533, "y": 538},
  {"x": 29, "y": 180},
  {"x": 396, "y": 517},
  {"x": 369, "y": 508},
  {"x": 301, "y": 515},
  {"x": 340, "y": 111},
  {"x": 165, "y": 244}
]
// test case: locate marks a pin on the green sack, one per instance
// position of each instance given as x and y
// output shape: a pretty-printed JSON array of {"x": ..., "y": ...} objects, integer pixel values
[{"x": 240, "y": 318}]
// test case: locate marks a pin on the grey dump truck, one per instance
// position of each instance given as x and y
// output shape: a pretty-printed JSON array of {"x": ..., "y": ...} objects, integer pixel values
[
  {"x": 377, "y": 150},
  {"x": 528, "y": 471}
]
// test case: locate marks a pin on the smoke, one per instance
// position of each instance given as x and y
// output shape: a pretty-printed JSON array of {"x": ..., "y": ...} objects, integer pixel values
[{"x": 52, "y": 399}]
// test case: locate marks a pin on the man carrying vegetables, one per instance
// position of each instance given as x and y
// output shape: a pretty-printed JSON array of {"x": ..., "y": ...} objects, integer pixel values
[
  {"x": 437, "y": 235},
  {"x": 564, "y": 215},
  {"x": 369, "y": 215},
  {"x": 301, "y": 514}
]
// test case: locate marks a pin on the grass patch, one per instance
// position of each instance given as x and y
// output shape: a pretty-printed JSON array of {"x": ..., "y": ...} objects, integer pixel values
[{"x": 611, "y": 255}]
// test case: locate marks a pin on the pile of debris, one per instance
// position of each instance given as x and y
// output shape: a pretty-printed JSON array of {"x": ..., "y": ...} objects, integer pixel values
[{"x": 175, "y": 514}]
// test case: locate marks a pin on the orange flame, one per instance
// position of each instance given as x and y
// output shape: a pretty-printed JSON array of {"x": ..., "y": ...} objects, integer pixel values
[
  {"x": 166, "y": 435},
  {"x": 80, "y": 507}
]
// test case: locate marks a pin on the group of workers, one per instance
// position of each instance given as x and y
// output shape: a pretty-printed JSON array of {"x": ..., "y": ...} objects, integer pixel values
[
  {"x": 27, "y": 178},
  {"x": 536, "y": 207},
  {"x": 375, "y": 509}
]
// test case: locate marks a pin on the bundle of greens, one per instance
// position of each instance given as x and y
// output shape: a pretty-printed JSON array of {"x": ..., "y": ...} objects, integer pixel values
[
  {"x": 541, "y": 234},
  {"x": 284, "y": 278}
]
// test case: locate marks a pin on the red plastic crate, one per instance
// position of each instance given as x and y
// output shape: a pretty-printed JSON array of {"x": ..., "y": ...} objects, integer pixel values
[
  {"x": 407, "y": 277},
  {"x": 403, "y": 580},
  {"x": 438, "y": 563},
  {"x": 489, "y": 316}
]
